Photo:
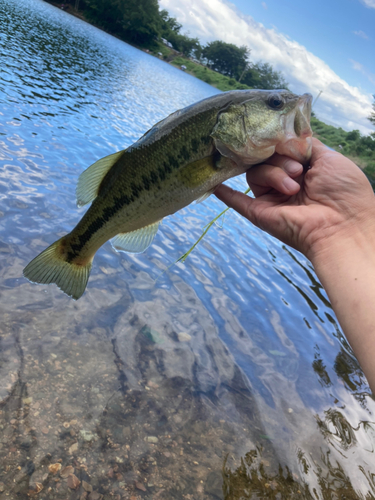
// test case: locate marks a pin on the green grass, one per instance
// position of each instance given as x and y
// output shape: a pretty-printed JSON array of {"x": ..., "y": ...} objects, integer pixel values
[
  {"x": 351, "y": 144},
  {"x": 358, "y": 148},
  {"x": 205, "y": 74}
]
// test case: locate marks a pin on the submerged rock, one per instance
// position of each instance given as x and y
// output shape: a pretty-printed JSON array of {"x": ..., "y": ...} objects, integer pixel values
[
  {"x": 214, "y": 485},
  {"x": 87, "y": 435}
]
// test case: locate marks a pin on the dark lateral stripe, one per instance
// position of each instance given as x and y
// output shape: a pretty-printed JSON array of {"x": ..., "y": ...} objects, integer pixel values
[
  {"x": 146, "y": 182},
  {"x": 184, "y": 153},
  {"x": 162, "y": 173},
  {"x": 154, "y": 177},
  {"x": 98, "y": 223},
  {"x": 206, "y": 139},
  {"x": 194, "y": 145}
]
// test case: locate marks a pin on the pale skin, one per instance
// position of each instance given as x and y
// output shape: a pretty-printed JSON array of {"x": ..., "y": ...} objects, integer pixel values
[{"x": 328, "y": 214}]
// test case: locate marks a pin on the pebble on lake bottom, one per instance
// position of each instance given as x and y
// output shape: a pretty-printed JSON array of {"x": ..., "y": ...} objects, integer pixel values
[{"x": 84, "y": 433}]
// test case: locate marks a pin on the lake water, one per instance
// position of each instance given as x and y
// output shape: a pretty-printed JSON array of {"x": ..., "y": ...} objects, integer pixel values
[{"x": 223, "y": 377}]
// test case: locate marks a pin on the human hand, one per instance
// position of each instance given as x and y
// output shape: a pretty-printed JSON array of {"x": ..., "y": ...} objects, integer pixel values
[
  {"x": 327, "y": 213},
  {"x": 333, "y": 199}
]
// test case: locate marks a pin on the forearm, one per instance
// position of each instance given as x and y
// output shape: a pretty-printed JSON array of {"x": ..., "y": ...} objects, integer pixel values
[
  {"x": 329, "y": 215},
  {"x": 346, "y": 269}
]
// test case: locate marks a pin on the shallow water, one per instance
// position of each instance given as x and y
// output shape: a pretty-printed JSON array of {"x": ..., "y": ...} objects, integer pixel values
[{"x": 224, "y": 377}]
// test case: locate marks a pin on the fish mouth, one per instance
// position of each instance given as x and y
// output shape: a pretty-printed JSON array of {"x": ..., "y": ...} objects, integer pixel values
[
  {"x": 302, "y": 117},
  {"x": 298, "y": 136}
]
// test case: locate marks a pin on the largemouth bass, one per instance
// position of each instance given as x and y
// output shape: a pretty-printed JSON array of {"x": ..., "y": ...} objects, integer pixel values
[{"x": 181, "y": 159}]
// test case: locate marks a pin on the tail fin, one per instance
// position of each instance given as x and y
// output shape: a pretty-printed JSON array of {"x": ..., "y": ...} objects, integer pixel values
[{"x": 50, "y": 266}]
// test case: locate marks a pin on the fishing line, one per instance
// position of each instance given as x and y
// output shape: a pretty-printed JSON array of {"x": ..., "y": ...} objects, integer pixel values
[{"x": 206, "y": 228}]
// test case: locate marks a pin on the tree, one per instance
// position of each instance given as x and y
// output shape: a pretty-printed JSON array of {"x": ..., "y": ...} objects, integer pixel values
[
  {"x": 262, "y": 76},
  {"x": 368, "y": 142},
  {"x": 169, "y": 24},
  {"x": 372, "y": 116},
  {"x": 105, "y": 13},
  {"x": 353, "y": 135},
  {"x": 185, "y": 44},
  {"x": 226, "y": 58},
  {"x": 170, "y": 30},
  {"x": 141, "y": 21},
  {"x": 137, "y": 21}
]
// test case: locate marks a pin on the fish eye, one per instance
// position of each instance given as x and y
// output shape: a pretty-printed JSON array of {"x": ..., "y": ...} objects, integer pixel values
[{"x": 275, "y": 101}]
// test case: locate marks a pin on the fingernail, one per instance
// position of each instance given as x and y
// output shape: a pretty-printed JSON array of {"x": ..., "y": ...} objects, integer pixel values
[
  {"x": 289, "y": 184},
  {"x": 292, "y": 167}
]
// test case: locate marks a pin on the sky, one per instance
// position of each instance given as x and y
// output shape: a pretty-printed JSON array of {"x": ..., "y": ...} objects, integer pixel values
[{"x": 320, "y": 45}]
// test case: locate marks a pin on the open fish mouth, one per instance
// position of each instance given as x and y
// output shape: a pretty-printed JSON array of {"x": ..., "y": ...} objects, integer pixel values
[
  {"x": 298, "y": 133},
  {"x": 302, "y": 117}
]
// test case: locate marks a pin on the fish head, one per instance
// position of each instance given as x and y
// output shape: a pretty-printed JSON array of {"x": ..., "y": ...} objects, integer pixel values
[{"x": 268, "y": 122}]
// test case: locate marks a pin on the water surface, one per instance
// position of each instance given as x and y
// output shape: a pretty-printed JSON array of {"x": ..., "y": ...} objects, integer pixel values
[{"x": 224, "y": 377}]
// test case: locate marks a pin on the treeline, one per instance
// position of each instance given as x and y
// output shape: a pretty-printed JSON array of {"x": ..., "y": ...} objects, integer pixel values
[
  {"x": 233, "y": 61},
  {"x": 365, "y": 144},
  {"x": 372, "y": 114},
  {"x": 361, "y": 148},
  {"x": 142, "y": 23}
]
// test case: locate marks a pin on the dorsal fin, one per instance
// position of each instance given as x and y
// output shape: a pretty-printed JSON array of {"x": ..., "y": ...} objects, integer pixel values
[{"x": 90, "y": 180}]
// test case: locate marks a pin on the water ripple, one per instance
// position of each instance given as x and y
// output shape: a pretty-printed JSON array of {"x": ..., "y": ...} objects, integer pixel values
[{"x": 236, "y": 352}]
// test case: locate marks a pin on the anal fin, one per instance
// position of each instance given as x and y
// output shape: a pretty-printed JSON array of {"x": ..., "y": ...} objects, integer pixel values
[{"x": 135, "y": 241}]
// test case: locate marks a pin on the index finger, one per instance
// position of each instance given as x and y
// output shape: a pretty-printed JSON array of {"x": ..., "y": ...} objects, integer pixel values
[
  {"x": 276, "y": 173},
  {"x": 236, "y": 200}
]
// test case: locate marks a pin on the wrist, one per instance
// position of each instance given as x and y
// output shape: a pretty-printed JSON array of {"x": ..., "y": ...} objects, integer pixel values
[
  {"x": 346, "y": 269},
  {"x": 352, "y": 255},
  {"x": 350, "y": 239}
]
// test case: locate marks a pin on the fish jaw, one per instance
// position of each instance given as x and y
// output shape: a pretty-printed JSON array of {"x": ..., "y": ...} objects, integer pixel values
[
  {"x": 299, "y": 150},
  {"x": 252, "y": 131},
  {"x": 297, "y": 141}
]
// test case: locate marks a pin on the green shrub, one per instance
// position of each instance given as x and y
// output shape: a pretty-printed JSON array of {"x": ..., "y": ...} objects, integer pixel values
[{"x": 353, "y": 135}]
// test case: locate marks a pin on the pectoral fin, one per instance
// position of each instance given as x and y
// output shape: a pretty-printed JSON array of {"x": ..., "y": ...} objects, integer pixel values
[
  {"x": 135, "y": 241},
  {"x": 89, "y": 181},
  {"x": 205, "y": 195}
]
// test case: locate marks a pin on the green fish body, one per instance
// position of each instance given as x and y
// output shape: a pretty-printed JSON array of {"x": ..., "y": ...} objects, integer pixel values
[{"x": 181, "y": 159}]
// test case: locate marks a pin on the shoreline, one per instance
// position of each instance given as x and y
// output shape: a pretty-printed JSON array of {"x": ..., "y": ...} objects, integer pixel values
[
  {"x": 215, "y": 79},
  {"x": 76, "y": 13},
  {"x": 224, "y": 83}
]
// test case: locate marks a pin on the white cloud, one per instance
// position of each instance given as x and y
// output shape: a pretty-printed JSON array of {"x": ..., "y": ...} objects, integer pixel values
[
  {"x": 264, "y": 5},
  {"x": 362, "y": 69},
  {"x": 369, "y": 3},
  {"x": 361, "y": 34},
  {"x": 339, "y": 104},
  {"x": 356, "y": 65}
]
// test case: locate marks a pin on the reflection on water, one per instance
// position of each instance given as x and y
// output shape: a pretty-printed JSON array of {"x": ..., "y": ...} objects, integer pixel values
[{"x": 226, "y": 377}]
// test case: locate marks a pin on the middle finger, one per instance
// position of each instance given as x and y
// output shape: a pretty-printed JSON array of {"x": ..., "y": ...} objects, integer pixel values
[{"x": 267, "y": 176}]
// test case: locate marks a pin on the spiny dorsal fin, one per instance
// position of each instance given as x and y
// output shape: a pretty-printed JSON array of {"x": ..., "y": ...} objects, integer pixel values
[
  {"x": 135, "y": 241},
  {"x": 90, "y": 180}
]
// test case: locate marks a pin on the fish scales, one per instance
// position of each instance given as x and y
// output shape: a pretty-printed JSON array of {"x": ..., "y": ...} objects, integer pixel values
[
  {"x": 180, "y": 159},
  {"x": 134, "y": 177}
]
